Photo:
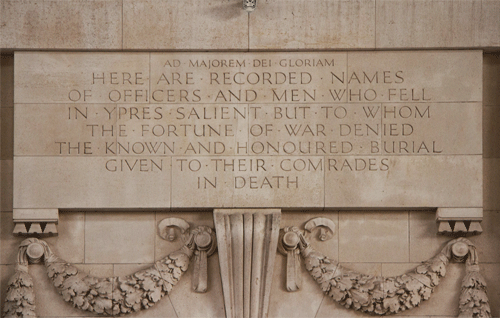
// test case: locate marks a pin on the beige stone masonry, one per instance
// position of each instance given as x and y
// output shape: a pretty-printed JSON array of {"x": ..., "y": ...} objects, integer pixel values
[
  {"x": 301, "y": 26},
  {"x": 79, "y": 182},
  {"x": 410, "y": 181},
  {"x": 214, "y": 24},
  {"x": 225, "y": 130},
  {"x": 428, "y": 23},
  {"x": 34, "y": 24},
  {"x": 80, "y": 77}
]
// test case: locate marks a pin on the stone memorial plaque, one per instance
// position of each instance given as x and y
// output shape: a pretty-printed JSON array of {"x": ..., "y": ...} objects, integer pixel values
[{"x": 276, "y": 130}]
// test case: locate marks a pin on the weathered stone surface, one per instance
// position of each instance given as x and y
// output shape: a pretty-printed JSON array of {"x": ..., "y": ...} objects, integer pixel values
[
  {"x": 424, "y": 240},
  {"x": 70, "y": 241},
  {"x": 491, "y": 79},
  {"x": 35, "y": 24},
  {"x": 7, "y": 133},
  {"x": 490, "y": 15},
  {"x": 80, "y": 77},
  {"x": 6, "y": 184},
  {"x": 459, "y": 214},
  {"x": 491, "y": 131},
  {"x": 213, "y": 24},
  {"x": 66, "y": 129},
  {"x": 313, "y": 24},
  {"x": 73, "y": 182},
  {"x": 428, "y": 24},
  {"x": 10, "y": 244},
  {"x": 6, "y": 79},
  {"x": 360, "y": 239},
  {"x": 441, "y": 181},
  {"x": 490, "y": 224},
  {"x": 437, "y": 76},
  {"x": 491, "y": 184},
  {"x": 109, "y": 240}
]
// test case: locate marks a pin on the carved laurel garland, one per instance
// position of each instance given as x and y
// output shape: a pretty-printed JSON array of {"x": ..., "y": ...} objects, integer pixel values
[
  {"x": 105, "y": 296},
  {"x": 379, "y": 295}
]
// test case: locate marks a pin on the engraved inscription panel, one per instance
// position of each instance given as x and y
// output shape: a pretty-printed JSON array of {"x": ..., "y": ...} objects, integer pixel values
[{"x": 209, "y": 130}]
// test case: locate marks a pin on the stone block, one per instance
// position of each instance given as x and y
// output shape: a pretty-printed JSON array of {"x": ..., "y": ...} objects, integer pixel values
[
  {"x": 437, "y": 115},
  {"x": 84, "y": 182},
  {"x": 63, "y": 130},
  {"x": 416, "y": 76},
  {"x": 45, "y": 78},
  {"x": 425, "y": 242},
  {"x": 318, "y": 24},
  {"x": 373, "y": 236},
  {"x": 28, "y": 215},
  {"x": 214, "y": 24},
  {"x": 404, "y": 181},
  {"x": 428, "y": 24},
  {"x": 486, "y": 242},
  {"x": 490, "y": 31},
  {"x": 35, "y": 24},
  {"x": 10, "y": 243},
  {"x": 491, "y": 184},
  {"x": 491, "y": 131},
  {"x": 7, "y": 133},
  {"x": 491, "y": 79},
  {"x": 245, "y": 181},
  {"x": 125, "y": 237},
  {"x": 6, "y": 184},
  {"x": 462, "y": 214},
  {"x": 69, "y": 244},
  {"x": 6, "y": 80}
]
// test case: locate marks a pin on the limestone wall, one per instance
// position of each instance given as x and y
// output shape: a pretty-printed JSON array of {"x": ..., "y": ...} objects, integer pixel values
[{"x": 374, "y": 242}]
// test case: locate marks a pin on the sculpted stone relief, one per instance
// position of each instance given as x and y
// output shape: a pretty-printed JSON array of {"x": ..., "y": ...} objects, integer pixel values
[
  {"x": 254, "y": 133},
  {"x": 256, "y": 232},
  {"x": 107, "y": 295},
  {"x": 390, "y": 295}
]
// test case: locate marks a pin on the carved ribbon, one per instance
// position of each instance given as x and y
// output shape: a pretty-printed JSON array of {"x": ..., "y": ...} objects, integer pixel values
[
  {"x": 379, "y": 295},
  {"x": 109, "y": 295}
]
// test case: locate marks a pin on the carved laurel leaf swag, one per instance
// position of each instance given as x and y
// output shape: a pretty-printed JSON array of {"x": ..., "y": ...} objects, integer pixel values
[
  {"x": 382, "y": 296},
  {"x": 370, "y": 294}
]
